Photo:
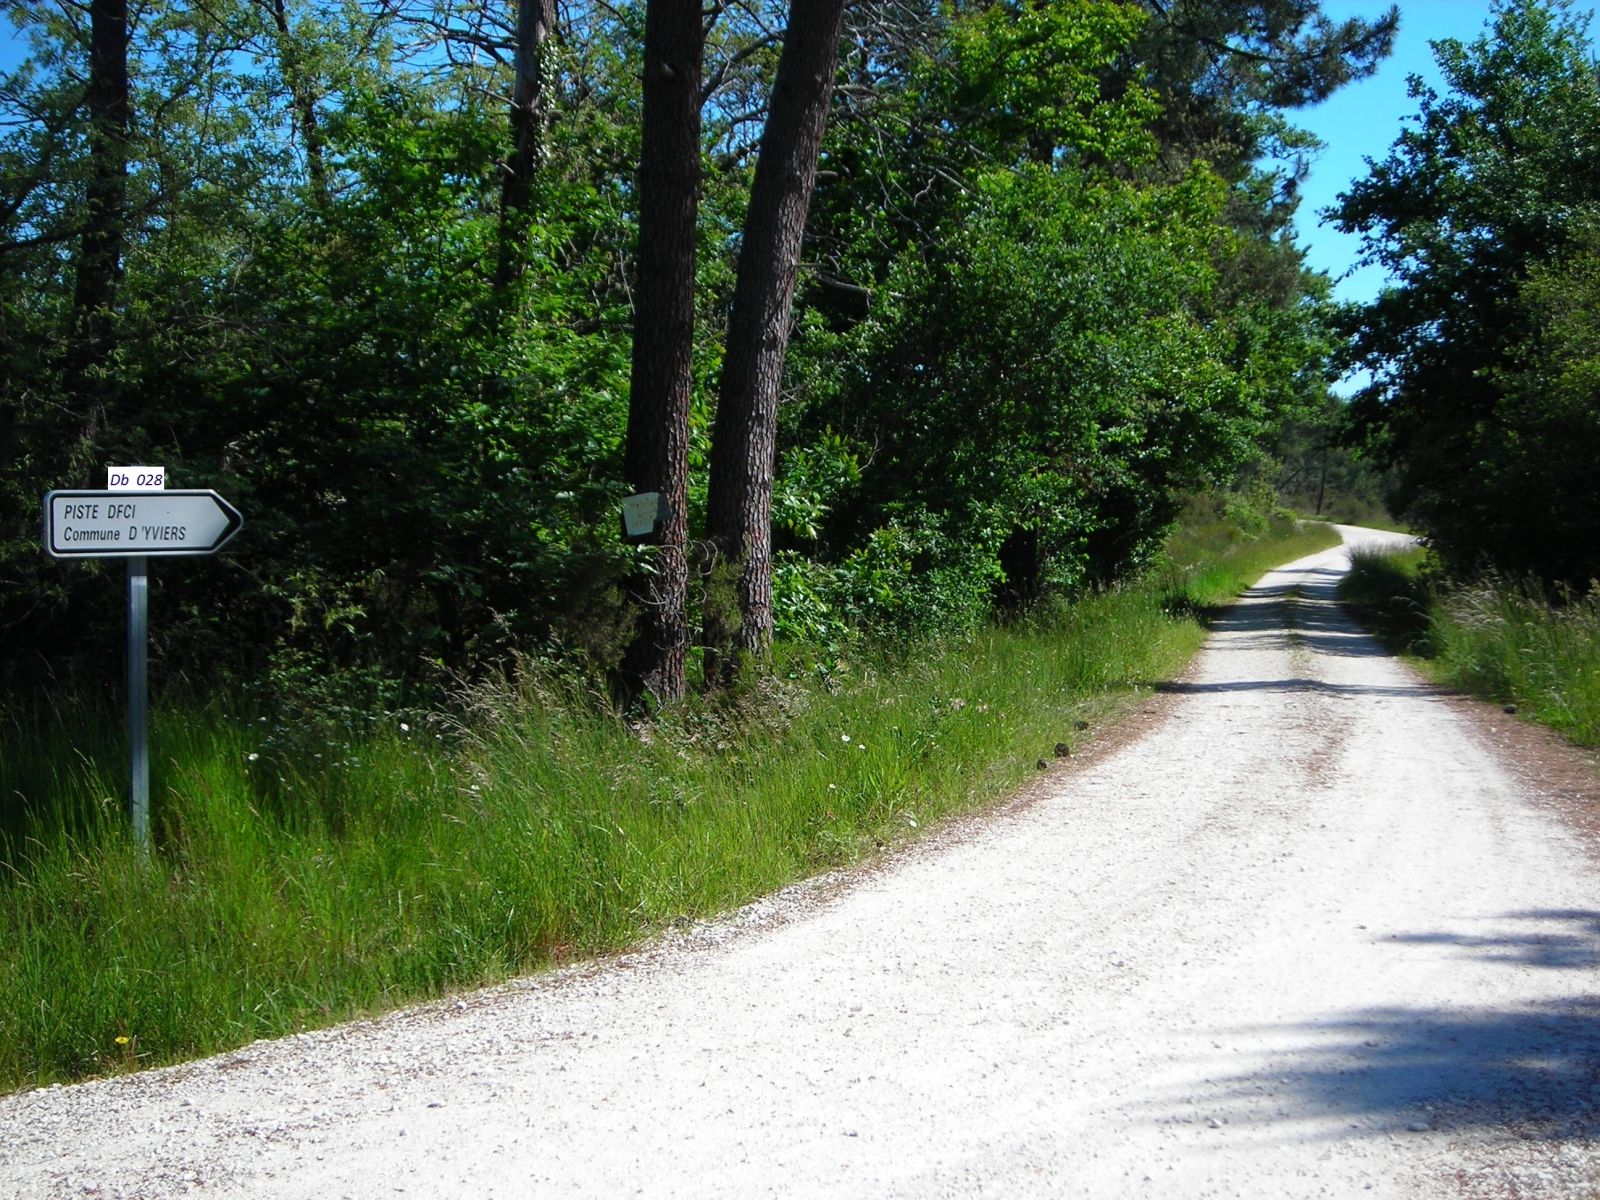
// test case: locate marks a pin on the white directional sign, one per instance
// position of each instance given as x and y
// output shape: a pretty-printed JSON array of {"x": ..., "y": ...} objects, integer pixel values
[{"x": 130, "y": 524}]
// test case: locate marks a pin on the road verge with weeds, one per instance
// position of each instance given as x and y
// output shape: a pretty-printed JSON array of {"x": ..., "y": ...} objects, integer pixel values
[
  {"x": 1495, "y": 638},
  {"x": 296, "y": 887}
]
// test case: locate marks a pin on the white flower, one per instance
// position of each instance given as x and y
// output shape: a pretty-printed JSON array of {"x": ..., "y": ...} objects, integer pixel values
[
  {"x": 844, "y": 737},
  {"x": 404, "y": 728},
  {"x": 251, "y": 757}
]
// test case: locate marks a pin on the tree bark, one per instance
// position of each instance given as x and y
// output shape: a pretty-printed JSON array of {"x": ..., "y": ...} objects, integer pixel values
[
  {"x": 739, "y": 504},
  {"x": 99, "y": 268},
  {"x": 536, "y": 20},
  {"x": 657, "y": 456}
]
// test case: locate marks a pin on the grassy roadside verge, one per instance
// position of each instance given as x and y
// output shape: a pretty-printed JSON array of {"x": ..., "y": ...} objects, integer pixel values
[
  {"x": 289, "y": 891},
  {"x": 1495, "y": 639}
]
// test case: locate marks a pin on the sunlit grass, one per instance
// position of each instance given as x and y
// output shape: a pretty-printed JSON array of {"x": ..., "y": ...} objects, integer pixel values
[
  {"x": 1212, "y": 560},
  {"x": 1392, "y": 593},
  {"x": 1497, "y": 639},
  {"x": 287, "y": 890}
]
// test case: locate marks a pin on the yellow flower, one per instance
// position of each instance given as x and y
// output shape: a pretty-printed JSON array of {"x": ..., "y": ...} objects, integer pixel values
[{"x": 122, "y": 1039}]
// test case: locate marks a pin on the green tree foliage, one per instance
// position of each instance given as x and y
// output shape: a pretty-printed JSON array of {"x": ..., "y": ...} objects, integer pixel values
[
  {"x": 1227, "y": 71},
  {"x": 1050, "y": 350},
  {"x": 1050, "y": 438},
  {"x": 1035, "y": 300},
  {"x": 446, "y": 469},
  {"x": 423, "y": 482},
  {"x": 1483, "y": 214},
  {"x": 1314, "y": 472},
  {"x": 1550, "y": 415}
]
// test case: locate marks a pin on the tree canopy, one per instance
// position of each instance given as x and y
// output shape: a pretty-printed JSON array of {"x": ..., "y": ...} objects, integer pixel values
[
  {"x": 1484, "y": 214},
  {"x": 372, "y": 270}
]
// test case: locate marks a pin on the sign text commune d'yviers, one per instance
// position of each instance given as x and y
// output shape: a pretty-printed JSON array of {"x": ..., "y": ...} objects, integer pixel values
[{"x": 155, "y": 524}]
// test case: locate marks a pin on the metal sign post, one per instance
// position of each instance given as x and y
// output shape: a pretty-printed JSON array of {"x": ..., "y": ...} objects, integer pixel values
[
  {"x": 139, "y": 700},
  {"x": 134, "y": 520}
]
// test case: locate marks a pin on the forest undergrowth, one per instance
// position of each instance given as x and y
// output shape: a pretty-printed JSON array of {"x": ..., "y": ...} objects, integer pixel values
[{"x": 297, "y": 881}]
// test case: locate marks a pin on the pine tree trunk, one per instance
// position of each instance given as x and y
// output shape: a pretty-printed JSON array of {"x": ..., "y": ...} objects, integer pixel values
[
  {"x": 739, "y": 505},
  {"x": 536, "y": 20},
  {"x": 99, "y": 268},
  {"x": 663, "y": 338}
]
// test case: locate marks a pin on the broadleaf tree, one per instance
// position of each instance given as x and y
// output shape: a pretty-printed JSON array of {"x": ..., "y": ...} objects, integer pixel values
[{"x": 1478, "y": 213}]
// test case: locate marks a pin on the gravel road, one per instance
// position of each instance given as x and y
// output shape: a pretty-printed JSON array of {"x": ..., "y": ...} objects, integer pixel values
[{"x": 1296, "y": 929}]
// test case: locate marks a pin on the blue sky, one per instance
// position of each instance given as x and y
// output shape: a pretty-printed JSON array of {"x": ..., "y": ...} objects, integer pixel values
[{"x": 1362, "y": 120}]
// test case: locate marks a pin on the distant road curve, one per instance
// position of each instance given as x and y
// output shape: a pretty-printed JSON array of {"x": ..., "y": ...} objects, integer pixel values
[{"x": 1294, "y": 931}]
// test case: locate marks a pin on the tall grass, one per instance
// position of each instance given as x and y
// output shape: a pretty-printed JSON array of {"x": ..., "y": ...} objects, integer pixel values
[
  {"x": 1222, "y": 548},
  {"x": 287, "y": 889},
  {"x": 1508, "y": 642},
  {"x": 1495, "y": 638},
  {"x": 1393, "y": 593}
]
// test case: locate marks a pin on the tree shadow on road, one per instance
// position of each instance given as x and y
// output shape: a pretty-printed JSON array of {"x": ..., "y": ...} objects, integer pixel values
[
  {"x": 1575, "y": 950},
  {"x": 1302, "y": 612},
  {"x": 1531, "y": 1070},
  {"x": 1535, "y": 1069},
  {"x": 1298, "y": 685}
]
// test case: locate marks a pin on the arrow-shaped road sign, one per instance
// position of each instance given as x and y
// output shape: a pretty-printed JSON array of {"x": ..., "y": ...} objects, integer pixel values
[{"x": 134, "y": 524}]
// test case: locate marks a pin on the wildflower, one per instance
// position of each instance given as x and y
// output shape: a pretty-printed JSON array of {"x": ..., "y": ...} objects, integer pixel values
[
  {"x": 404, "y": 728},
  {"x": 251, "y": 757},
  {"x": 844, "y": 737},
  {"x": 122, "y": 1039}
]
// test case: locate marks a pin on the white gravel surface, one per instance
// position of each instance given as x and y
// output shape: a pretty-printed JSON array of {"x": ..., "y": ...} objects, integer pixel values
[{"x": 1302, "y": 936}]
